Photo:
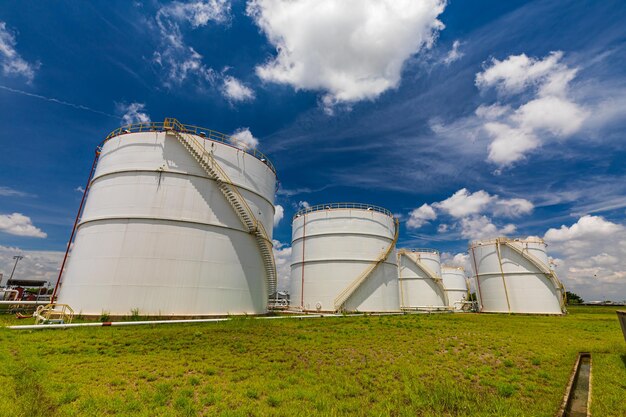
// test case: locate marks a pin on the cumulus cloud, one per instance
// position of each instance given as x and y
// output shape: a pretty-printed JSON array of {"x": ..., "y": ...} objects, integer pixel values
[
  {"x": 303, "y": 205},
  {"x": 463, "y": 203},
  {"x": 279, "y": 213},
  {"x": 352, "y": 50},
  {"x": 591, "y": 256},
  {"x": 36, "y": 265},
  {"x": 235, "y": 91},
  {"x": 481, "y": 227},
  {"x": 549, "y": 112},
  {"x": 133, "y": 113},
  {"x": 458, "y": 259},
  {"x": 19, "y": 225},
  {"x": 12, "y": 62},
  {"x": 470, "y": 213},
  {"x": 587, "y": 228},
  {"x": 244, "y": 137},
  {"x": 180, "y": 61},
  {"x": 454, "y": 54},
  {"x": 282, "y": 257},
  {"x": 420, "y": 216}
]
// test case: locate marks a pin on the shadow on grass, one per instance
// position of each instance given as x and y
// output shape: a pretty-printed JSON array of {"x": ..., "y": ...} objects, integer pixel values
[{"x": 624, "y": 360}]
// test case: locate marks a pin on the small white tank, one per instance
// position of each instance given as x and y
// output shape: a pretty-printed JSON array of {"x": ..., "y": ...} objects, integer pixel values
[
  {"x": 455, "y": 283},
  {"x": 419, "y": 274},
  {"x": 514, "y": 276},
  {"x": 336, "y": 259}
]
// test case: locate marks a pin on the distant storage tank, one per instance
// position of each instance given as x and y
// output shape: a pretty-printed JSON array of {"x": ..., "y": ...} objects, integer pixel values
[
  {"x": 178, "y": 222},
  {"x": 514, "y": 276},
  {"x": 421, "y": 286},
  {"x": 455, "y": 284},
  {"x": 343, "y": 259}
]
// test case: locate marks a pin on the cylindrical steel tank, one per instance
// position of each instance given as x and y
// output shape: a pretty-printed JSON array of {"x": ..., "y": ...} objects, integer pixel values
[
  {"x": 514, "y": 276},
  {"x": 334, "y": 246},
  {"x": 158, "y": 236},
  {"x": 419, "y": 272},
  {"x": 455, "y": 284}
]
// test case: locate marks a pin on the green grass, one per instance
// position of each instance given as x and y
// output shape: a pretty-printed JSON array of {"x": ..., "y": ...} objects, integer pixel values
[{"x": 427, "y": 365}]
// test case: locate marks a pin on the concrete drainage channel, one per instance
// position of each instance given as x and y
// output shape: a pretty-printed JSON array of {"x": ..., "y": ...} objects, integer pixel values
[{"x": 577, "y": 400}]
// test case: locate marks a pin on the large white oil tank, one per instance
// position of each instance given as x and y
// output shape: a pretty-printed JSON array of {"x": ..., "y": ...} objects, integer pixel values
[
  {"x": 343, "y": 259},
  {"x": 162, "y": 234},
  {"x": 419, "y": 273},
  {"x": 514, "y": 276},
  {"x": 455, "y": 284}
]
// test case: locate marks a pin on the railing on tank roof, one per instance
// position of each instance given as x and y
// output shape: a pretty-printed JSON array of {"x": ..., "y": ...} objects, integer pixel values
[
  {"x": 421, "y": 250},
  {"x": 194, "y": 130},
  {"x": 530, "y": 239},
  {"x": 334, "y": 206}
]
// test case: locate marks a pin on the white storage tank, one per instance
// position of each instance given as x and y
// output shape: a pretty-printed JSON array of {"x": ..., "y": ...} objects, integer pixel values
[
  {"x": 514, "y": 276},
  {"x": 455, "y": 284},
  {"x": 419, "y": 273},
  {"x": 177, "y": 222},
  {"x": 343, "y": 259}
]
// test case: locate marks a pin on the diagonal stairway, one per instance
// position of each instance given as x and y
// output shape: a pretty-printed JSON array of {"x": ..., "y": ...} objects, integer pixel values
[
  {"x": 545, "y": 269},
  {"x": 429, "y": 273},
  {"x": 354, "y": 285},
  {"x": 232, "y": 194}
]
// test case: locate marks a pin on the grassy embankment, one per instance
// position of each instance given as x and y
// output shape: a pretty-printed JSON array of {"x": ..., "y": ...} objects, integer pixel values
[{"x": 427, "y": 365}]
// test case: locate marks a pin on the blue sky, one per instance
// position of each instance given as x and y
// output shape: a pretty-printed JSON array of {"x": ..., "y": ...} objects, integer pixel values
[{"x": 468, "y": 119}]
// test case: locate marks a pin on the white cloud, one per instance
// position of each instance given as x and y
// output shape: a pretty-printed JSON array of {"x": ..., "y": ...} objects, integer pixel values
[
  {"x": 587, "y": 228},
  {"x": 591, "y": 257},
  {"x": 353, "y": 49},
  {"x": 12, "y": 62},
  {"x": 279, "y": 213},
  {"x": 79, "y": 189},
  {"x": 244, "y": 137},
  {"x": 180, "y": 61},
  {"x": 513, "y": 207},
  {"x": 548, "y": 113},
  {"x": 519, "y": 72},
  {"x": 420, "y": 216},
  {"x": 36, "y": 265},
  {"x": 463, "y": 203},
  {"x": 10, "y": 192},
  {"x": 481, "y": 227},
  {"x": 454, "y": 54},
  {"x": 303, "y": 205},
  {"x": 133, "y": 113},
  {"x": 282, "y": 257},
  {"x": 235, "y": 91},
  {"x": 19, "y": 225},
  {"x": 199, "y": 13},
  {"x": 459, "y": 259}
]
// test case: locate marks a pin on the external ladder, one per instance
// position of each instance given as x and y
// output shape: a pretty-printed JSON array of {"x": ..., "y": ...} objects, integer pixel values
[
  {"x": 429, "y": 274},
  {"x": 545, "y": 269},
  {"x": 232, "y": 194},
  {"x": 354, "y": 285}
]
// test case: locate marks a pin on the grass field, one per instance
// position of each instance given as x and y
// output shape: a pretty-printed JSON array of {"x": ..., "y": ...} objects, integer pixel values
[{"x": 425, "y": 365}]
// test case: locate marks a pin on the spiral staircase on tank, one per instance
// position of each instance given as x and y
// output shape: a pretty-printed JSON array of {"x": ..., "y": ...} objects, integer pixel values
[
  {"x": 344, "y": 295},
  {"x": 545, "y": 269},
  {"x": 208, "y": 162},
  {"x": 429, "y": 274}
]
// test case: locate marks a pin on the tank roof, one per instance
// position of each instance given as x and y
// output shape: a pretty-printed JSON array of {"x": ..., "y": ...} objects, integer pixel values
[
  {"x": 204, "y": 133},
  {"x": 530, "y": 239},
  {"x": 340, "y": 206}
]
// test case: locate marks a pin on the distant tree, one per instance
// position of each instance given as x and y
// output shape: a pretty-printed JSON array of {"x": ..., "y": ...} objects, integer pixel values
[
  {"x": 573, "y": 298},
  {"x": 472, "y": 297}
]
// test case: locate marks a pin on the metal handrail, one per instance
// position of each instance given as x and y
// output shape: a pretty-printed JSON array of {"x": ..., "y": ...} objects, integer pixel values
[
  {"x": 477, "y": 243},
  {"x": 420, "y": 250},
  {"x": 334, "y": 206},
  {"x": 194, "y": 130}
]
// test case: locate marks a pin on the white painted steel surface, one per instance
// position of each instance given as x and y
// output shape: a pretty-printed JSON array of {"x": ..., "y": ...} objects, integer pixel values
[
  {"x": 157, "y": 234},
  {"x": 455, "y": 283},
  {"x": 514, "y": 284},
  {"x": 417, "y": 288},
  {"x": 337, "y": 245}
]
